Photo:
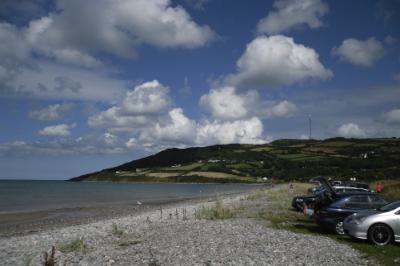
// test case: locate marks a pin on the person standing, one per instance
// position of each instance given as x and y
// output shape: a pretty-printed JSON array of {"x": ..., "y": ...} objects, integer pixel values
[{"x": 378, "y": 187}]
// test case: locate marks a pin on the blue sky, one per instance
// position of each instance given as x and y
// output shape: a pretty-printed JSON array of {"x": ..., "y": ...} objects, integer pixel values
[{"x": 89, "y": 85}]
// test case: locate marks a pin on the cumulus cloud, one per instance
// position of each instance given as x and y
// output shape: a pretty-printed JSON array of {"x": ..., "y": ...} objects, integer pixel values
[
  {"x": 360, "y": 53},
  {"x": 152, "y": 123},
  {"x": 275, "y": 61},
  {"x": 392, "y": 116},
  {"x": 114, "y": 120},
  {"x": 239, "y": 131},
  {"x": 61, "y": 130},
  {"x": 175, "y": 129},
  {"x": 115, "y": 27},
  {"x": 281, "y": 109},
  {"x": 351, "y": 130},
  {"x": 227, "y": 104},
  {"x": 52, "y": 112},
  {"x": 146, "y": 99},
  {"x": 139, "y": 108},
  {"x": 289, "y": 14}
]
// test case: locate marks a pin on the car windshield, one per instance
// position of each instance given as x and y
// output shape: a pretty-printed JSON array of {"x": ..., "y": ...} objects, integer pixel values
[{"x": 390, "y": 206}]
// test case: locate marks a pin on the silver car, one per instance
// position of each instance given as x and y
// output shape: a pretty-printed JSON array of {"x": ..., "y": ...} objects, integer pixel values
[{"x": 380, "y": 226}]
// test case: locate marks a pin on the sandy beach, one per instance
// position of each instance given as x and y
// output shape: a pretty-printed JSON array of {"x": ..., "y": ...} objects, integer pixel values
[{"x": 172, "y": 234}]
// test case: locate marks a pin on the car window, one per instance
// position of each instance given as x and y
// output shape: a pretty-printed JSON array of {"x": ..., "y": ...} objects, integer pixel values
[
  {"x": 358, "y": 199},
  {"x": 357, "y": 202},
  {"x": 376, "y": 199}
]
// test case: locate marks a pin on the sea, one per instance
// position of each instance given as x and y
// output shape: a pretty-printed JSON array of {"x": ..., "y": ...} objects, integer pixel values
[{"x": 27, "y": 196}]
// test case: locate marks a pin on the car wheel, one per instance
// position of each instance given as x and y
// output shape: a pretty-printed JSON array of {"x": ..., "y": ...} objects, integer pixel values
[
  {"x": 339, "y": 227},
  {"x": 380, "y": 234}
]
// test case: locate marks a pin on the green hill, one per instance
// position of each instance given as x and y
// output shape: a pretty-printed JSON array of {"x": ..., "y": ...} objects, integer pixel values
[{"x": 366, "y": 159}]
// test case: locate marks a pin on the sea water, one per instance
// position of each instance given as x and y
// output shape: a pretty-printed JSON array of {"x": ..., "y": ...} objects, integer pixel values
[{"x": 21, "y": 196}]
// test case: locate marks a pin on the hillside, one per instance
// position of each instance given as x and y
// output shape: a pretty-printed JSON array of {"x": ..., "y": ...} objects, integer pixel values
[{"x": 366, "y": 159}]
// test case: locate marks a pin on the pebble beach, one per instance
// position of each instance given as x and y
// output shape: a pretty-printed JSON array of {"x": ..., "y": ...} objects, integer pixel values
[{"x": 173, "y": 235}]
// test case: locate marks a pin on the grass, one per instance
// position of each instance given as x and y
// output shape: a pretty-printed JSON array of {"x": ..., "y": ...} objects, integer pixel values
[
  {"x": 391, "y": 189},
  {"x": 76, "y": 245},
  {"x": 124, "y": 239},
  {"x": 216, "y": 212},
  {"x": 116, "y": 231},
  {"x": 255, "y": 195},
  {"x": 282, "y": 217}
]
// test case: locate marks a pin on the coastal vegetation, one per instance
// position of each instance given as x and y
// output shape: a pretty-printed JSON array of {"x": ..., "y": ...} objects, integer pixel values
[
  {"x": 216, "y": 212},
  {"x": 76, "y": 245},
  {"x": 365, "y": 159}
]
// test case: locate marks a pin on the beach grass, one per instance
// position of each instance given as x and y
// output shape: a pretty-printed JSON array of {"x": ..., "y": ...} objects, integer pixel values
[
  {"x": 76, "y": 245},
  {"x": 116, "y": 231},
  {"x": 216, "y": 212}
]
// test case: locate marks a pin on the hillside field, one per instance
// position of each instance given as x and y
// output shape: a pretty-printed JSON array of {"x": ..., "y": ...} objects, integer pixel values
[{"x": 365, "y": 159}]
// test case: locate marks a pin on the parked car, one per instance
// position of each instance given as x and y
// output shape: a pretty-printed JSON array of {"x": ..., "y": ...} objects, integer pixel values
[
  {"x": 360, "y": 185},
  {"x": 380, "y": 226},
  {"x": 341, "y": 189},
  {"x": 299, "y": 202},
  {"x": 315, "y": 190},
  {"x": 332, "y": 207},
  {"x": 332, "y": 215}
]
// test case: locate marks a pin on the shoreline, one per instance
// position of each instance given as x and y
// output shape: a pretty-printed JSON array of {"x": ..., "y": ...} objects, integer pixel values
[
  {"x": 17, "y": 223},
  {"x": 177, "y": 236}
]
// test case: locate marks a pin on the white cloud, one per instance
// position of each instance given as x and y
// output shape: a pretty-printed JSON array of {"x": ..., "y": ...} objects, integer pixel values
[
  {"x": 240, "y": 131},
  {"x": 358, "y": 52},
  {"x": 177, "y": 128},
  {"x": 225, "y": 104},
  {"x": 14, "y": 54},
  {"x": 114, "y": 120},
  {"x": 52, "y": 112},
  {"x": 55, "y": 81},
  {"x": 392, "y": 116},
  {"x": 275, "y": 61},
  {"x": 115, "y": 27},
  {"x": 111, "y": 27},
  {"x": 290, "y": 14},
  {"x": 281, "y": 109},
  {"x": 139, "y": 108},
  {"x": 61, "y": 130},
  {"x": 146, "y": 99},
  {"x": 351, "y": 130}
]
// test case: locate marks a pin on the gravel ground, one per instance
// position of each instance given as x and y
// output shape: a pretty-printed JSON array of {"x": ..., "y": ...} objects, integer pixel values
[{"x": 175, "y": 239}]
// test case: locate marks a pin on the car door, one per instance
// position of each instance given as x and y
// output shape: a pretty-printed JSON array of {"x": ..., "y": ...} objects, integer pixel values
[{"x": 395, "y": 224}]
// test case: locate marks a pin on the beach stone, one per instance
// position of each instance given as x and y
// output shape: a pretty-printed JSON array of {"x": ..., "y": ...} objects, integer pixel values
[{"x": 239, "y": 241}]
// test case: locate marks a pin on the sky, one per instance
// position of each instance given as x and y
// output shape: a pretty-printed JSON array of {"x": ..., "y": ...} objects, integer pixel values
[{"x": 87, "y": 85}]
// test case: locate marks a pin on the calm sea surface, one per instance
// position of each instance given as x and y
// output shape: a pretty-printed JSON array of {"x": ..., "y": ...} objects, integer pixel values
[{"x": 17, "y": 196}]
